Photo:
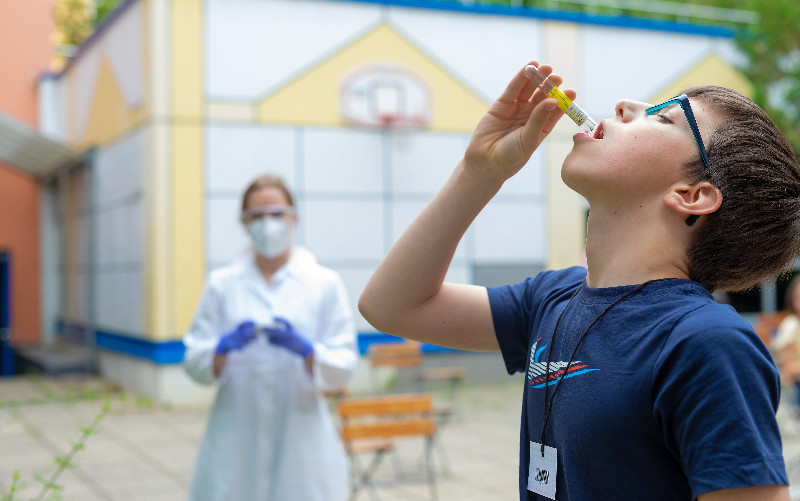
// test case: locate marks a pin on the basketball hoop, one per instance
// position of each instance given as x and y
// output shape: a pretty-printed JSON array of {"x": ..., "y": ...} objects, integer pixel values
[
  {"x": 388, "y": 120},
  {"x": 385, "y": 97},
  {"x": 397, "y": 121}
]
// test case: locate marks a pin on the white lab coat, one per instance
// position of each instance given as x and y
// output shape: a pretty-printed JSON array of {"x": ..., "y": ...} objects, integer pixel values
[{"x": 270, "y": 435}]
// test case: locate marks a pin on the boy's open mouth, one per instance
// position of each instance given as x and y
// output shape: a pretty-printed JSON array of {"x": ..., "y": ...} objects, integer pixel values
[{"x": 600, "y": 130}]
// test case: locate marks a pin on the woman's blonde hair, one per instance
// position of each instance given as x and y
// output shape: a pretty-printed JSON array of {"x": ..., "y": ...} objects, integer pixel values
[{"x": 266, "y": 181}]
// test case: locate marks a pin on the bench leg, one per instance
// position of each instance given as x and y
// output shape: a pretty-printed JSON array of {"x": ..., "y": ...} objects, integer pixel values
[
  {"x": 429, "y": 443},
  {"x": 363, "y": 478}
]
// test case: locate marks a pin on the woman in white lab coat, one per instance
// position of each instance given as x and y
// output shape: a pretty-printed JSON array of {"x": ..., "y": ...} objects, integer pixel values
[{"x": 272, "y": 331}]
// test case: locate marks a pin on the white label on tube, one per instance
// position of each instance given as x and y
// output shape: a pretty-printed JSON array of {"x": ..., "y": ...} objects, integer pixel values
[{"x": 576, "y": 114}]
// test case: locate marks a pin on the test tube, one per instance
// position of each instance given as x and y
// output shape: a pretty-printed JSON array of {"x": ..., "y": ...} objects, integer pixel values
[
  {"x": 263, "y": 329},
  {"x": 571, "y": 109}
]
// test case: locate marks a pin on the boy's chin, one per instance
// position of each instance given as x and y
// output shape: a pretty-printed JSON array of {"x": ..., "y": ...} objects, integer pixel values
[{"x": 574, "y": 174}]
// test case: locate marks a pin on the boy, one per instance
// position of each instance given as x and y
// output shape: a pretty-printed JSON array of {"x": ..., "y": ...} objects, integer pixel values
[{"x": 638, "y": 385}]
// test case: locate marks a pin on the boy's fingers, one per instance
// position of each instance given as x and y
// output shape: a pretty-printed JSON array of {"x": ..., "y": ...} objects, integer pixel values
[
  {"x": 516, "y": 86},
  {"x": 529, "y": 91},
  {"x": 554, "y": 78},
  {"x": 526, "y": 92},
  {"x": 551, "y": 122},
  {"x": 543, "y": 119},
  {"x": 553, "y": 118}
]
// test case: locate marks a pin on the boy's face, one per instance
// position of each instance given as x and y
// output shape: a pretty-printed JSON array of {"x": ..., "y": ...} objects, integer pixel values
[{"x": 634, "y": 157}]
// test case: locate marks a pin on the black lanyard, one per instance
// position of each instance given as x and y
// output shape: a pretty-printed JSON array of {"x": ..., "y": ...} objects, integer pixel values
[{"x": 548, "y": 406}]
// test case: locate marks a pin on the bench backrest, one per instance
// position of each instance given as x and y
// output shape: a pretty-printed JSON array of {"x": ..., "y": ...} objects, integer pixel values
[{"x": 387, "y": 417}]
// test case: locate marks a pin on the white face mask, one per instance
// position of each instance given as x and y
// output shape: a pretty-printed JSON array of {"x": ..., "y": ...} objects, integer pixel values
[{"x": 271, "y": 237}]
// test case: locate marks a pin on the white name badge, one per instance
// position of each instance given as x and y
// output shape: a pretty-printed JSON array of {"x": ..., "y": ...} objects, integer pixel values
[{"x": 542, "y": 471}]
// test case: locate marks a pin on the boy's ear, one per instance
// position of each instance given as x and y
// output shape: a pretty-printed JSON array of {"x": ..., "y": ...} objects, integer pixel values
[{"x": 696, "y": 199}]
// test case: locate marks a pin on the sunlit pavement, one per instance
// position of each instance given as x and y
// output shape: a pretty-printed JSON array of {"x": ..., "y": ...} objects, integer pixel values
[{"x": 141, "y": 451}]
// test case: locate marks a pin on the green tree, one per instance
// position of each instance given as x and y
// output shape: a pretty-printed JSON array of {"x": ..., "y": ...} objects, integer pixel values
[
  {"x": 75, "y": 19},
  {"x": 102, "y": 9},
  {"x": 772, "y": 49},
  {"x": 72, "y": 20}
]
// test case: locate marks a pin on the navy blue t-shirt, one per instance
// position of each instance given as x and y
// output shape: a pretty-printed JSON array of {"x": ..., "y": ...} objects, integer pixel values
[{"x": 669, "y": 396}]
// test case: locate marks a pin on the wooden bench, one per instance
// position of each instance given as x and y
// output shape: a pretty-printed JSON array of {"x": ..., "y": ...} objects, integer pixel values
[
  {"x": 767, "y": 324},
  {"x": 408, "y": 356},
  {"x": 369, "y": 425}
]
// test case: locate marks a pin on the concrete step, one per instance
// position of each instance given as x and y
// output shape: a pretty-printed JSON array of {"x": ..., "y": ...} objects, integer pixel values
[{"x": 64, "y": 358}]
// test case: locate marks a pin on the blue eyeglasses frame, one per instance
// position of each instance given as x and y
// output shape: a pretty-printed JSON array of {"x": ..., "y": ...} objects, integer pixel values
[{"x": 683, "y": 102}]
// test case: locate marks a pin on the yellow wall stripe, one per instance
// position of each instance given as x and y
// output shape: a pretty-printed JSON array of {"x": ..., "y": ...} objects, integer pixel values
[
  {"x": 187, "y": 214},
  {"x": 187, "y": 52},
  {"x": 566, "y": 222},
  {"x": 187, "y": 223},
  {"x": 237, "y": 112},
  {"x": 157, "y": 279},
  {"x": 712, "y": 70}
]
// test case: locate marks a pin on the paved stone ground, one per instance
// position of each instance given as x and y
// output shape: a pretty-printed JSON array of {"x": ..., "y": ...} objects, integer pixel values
[{"x": 141, "y": 451}]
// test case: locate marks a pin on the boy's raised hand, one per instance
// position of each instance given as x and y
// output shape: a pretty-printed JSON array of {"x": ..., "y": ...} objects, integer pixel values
[
  {"x": 512, "y": 129},
  {"x": 407, "y": 295}
]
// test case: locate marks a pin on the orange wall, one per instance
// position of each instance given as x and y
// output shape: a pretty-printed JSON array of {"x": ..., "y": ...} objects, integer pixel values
[
  {"x": 26, "y": 28},
  {"x": 19, "y": 234}
]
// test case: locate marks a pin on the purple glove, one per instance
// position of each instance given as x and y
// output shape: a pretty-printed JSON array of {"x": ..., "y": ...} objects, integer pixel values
[
  {"x": 237, "y": 338},
  {"x": 281, "y": 333}
]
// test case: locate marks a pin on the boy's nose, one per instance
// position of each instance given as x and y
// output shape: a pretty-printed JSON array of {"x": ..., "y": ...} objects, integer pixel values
[{"x": 627, "y": 109}]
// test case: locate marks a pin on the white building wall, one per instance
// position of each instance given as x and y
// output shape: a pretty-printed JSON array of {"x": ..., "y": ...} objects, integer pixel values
[
  {"x": 120, "y": 234},
  {"x": 481, "y": 51},
  {"x": 356, "y": 189},
  {"x": 652, "y": 59},
  {"x": 278, "y": 39}
]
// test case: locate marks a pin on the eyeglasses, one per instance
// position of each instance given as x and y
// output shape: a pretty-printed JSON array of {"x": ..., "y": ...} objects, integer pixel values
[
  {"x": 683, "y": 101},
  {"x": 273, "y": 211}
]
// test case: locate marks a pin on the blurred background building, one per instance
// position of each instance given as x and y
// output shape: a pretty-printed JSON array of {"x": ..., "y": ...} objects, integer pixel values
[
  {"x": 123, "y": 168},
  {"x": 26, "y": 157}
]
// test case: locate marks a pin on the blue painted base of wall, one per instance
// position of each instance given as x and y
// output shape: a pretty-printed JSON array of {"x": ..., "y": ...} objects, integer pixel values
[
  {"x": 366, "y": 339},
  {"x": 615, "y": 21},
  {"x": 7, "y": 360},
  {"x": 6, "y": 351},
  {"x": 173, "y": 352}
]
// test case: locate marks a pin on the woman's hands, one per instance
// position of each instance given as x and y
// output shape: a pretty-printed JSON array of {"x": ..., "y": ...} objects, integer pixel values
[
  {"x": 283, "y": 334},
  {"x": 237, "y": 339},
  {"x": 516, "y": 123}
]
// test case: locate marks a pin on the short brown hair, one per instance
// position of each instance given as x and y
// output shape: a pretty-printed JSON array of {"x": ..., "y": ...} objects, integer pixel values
[
  {"x": 755, "y": 234},
  {"x": 266, "y": 181}
]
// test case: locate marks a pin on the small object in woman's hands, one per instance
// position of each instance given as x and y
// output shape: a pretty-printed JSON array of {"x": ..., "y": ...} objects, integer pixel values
[{"x": 264, "y": 329}]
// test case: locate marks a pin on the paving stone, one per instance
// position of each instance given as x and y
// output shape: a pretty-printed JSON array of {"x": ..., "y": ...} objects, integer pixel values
[{"x": 147, "y": 452}]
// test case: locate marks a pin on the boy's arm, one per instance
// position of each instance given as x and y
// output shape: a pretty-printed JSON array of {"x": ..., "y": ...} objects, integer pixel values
[
  {"x": 760, "y": 493},
  {"x": 406, "y": 295}
]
